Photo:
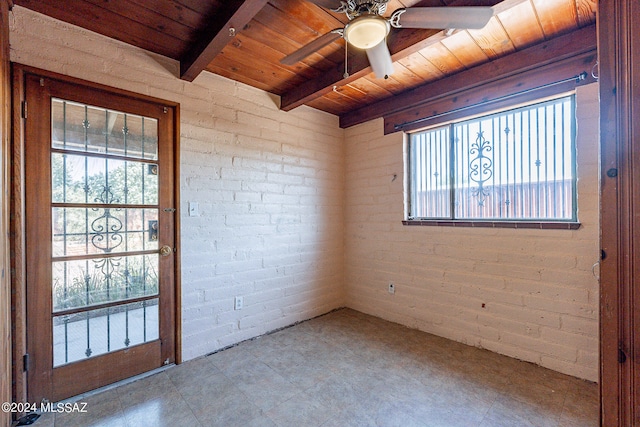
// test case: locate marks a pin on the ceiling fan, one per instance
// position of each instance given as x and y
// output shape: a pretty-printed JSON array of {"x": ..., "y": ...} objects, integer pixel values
[{"x": 367, "y": 29}]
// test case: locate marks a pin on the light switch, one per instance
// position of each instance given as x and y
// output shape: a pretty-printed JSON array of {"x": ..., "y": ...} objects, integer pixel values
[{"x": 194, "y": 210}]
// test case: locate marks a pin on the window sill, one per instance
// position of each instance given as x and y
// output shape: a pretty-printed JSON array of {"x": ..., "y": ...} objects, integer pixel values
[{"x": 558, "y": 225}]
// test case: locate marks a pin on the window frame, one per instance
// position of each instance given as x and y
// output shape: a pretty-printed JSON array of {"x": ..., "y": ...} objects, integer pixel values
[{"x": 452, "y": 221}]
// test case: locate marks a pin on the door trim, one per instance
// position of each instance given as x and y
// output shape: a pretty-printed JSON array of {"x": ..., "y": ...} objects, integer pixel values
[
  {"x": 18, "y": 247},
  {"x": 620, "y": 272}
]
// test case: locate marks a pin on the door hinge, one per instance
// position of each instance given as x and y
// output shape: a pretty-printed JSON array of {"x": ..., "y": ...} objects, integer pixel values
[
  {"x": 23, "y": 109},
  {"x": 25, "y": 362},
  {"x": 622, "y": 356}
]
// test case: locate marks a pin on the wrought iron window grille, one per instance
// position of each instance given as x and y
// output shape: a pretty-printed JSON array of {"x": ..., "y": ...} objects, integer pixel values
[{"x": 515, "y": 165}]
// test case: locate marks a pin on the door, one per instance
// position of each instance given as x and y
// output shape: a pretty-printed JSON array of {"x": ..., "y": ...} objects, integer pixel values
[{"x": 100, "y": 241}]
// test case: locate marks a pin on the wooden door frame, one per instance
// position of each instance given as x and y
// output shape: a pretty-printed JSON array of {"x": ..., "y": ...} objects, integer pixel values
[
  {"x": 619, "y": 75},
  {"x": 5, "y": 183},
  {"x": 18, "y": 248}
]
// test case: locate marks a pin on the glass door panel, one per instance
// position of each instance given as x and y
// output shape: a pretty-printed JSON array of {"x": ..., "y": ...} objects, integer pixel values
[
  {"x": 96, "y": 332},
  {"x": 96, "y": 231},
  {"x": 88, "y": 282},
  {"x": 80, "y": 127}
]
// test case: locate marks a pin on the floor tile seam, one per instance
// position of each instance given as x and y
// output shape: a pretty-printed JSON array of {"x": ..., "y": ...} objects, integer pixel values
[
  {"x": 122, "y": 396},
  {"x": 123, "y": 416},
  {"x": 229, "y": 378},
  {"x": 558, "y": 390},
  {"x": 250, "y": 399},
  {"x": 260, "y": 411},
  {"x": 175, "y": 388},
  {"x": 486, "y": 412},
  {"x": 292, "y": 363},
  {"x": 506, "y": 395},
  {"x": 176, "y": 384},
  {"x": 234, "y": 382},
  {"x": 296, "y": 396},
  {"x": 486, "y": 417},
  {"x": 125, "y": 421},
  {"x": 550, "y": 412},
  {"x": 317, "y": 337},
  {"x": 564, "y": 407}
]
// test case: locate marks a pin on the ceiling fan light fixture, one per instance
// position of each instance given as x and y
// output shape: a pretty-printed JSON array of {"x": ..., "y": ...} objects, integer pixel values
[{"x": 366, "y": 31}]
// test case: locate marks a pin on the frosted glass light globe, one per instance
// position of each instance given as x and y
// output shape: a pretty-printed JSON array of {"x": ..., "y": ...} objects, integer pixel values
[{"x": 366, "y": 31}]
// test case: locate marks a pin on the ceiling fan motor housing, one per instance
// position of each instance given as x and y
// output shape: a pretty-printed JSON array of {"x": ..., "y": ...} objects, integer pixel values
[{"x": 356, "y": 8}]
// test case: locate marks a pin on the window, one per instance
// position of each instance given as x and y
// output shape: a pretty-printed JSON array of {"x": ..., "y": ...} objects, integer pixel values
[{"x": 513, "y": 166}]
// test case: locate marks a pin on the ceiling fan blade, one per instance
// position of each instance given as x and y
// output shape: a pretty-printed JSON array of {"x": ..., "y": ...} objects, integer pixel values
[
  {"x": 463, "y": 17},
  {"x": 311, "y": 47},
  {"x": 380, "y": 60},
  {"x": 329, "y": 4}
]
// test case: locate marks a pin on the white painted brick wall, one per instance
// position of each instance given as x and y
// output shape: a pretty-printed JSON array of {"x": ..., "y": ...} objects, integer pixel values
[
  {"x": 540, "y": 296},
  {"x": 270, "y": 186}
]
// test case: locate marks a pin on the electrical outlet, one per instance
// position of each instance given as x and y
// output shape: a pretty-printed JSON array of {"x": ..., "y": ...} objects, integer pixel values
[
  {"x": 392, "y": 288},
  {"x": 238, "y": 303}
]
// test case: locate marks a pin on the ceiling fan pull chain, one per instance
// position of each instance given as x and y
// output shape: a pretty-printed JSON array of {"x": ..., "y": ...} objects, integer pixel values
[{"x": 346, "y": 59}]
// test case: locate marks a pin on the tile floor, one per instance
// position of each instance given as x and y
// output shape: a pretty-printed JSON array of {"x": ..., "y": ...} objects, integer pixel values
[{"x": 345, "y": 369}]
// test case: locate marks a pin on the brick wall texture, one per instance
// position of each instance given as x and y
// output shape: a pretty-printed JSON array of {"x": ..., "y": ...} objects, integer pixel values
[
  {"x": 538, "y": 287},
  {"x": 299, "y": 217}
]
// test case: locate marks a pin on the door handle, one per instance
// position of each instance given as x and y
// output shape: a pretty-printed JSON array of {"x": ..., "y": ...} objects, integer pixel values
[{"x": 166, "y": 250}]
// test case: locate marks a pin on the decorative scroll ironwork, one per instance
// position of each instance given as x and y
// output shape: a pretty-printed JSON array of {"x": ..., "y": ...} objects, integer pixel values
[
  {"x": 107, "y": 266},
  {"x": 106, "y": 196},
  {"x": 106, "y": 228},
  {"x": 480, "y": 167},
  {"x": 106, "y": 231}
]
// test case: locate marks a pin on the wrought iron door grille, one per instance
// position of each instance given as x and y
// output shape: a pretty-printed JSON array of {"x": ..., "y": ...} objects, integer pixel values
[
  {"x": 515, "y": 165},
  {"x": 104, "y": 209}
]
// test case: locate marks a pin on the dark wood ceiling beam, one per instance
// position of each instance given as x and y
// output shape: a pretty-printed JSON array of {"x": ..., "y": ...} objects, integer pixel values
[
  {"x": 107, "y": 22},
  {"x": 232, "y": 17},
  {"x": 402, "y": 43},
  {"x": 549, "y": 80},
  {"x": 565, "y": 46}
]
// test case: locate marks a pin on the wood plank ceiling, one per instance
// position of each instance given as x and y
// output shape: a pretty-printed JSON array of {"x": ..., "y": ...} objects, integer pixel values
[{"x": 245, "y": 40}]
